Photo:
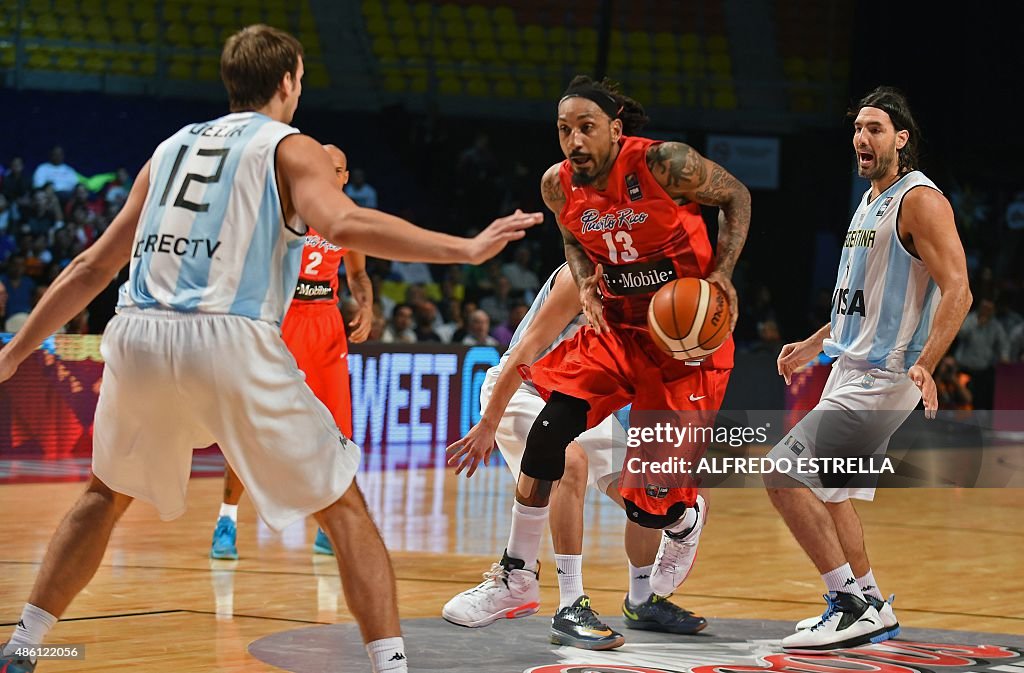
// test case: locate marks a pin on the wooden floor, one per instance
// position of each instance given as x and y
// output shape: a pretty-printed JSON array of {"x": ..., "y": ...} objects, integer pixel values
[{"x": 952, "y": 556}]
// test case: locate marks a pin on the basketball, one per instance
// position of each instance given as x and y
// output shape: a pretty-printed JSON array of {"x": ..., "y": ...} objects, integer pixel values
[{"x": 689, "y": 318}]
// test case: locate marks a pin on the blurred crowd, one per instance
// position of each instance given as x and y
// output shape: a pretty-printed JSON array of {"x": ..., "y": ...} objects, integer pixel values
[{"x": 51, "y": 213}]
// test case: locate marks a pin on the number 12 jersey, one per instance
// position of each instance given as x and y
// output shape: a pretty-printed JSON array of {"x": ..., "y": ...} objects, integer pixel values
[{"x": 212, "y": 236}]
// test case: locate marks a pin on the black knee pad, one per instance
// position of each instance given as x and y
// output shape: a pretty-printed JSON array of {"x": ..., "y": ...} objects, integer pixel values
[{"x": 562, "y": 420}]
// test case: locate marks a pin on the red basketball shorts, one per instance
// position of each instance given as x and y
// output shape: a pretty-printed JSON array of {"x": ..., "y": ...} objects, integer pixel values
[
  {"x": 621, "y": 367},
  {"x": 315, "y": 334}
]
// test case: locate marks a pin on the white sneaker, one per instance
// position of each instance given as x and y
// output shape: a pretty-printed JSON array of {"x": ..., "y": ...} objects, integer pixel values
[
  {"x": 508, "y": 590},
  {"x": 676, "y": 556},
  {"x": 884, "y": 609},
  {"x": 848, "y": 622}
]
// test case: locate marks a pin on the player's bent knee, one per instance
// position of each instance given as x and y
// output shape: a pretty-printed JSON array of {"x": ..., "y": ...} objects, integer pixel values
[
  {"x": 576, "y": 465},
  {"x": 116, "y": 501},
  {"x": 562, "y": 420}
]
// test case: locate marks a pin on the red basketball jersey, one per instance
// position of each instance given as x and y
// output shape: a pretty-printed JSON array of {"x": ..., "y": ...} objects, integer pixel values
[
  {"x": 318, "y": 275},
  {"x": 640, "y": 235}
]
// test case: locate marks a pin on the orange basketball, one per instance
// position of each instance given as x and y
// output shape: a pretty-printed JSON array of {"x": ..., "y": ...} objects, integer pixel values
[{"x": 689, "y": 318}]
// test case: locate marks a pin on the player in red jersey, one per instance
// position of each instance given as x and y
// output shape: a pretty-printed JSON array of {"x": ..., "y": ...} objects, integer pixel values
[
  {"x": 628, "y": 209},
  {"x": 314, "y": 332}
]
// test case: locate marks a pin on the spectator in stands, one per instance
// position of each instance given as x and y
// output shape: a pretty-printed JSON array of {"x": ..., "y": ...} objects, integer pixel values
[
  {"x": 520, "y": 276},
  {"x": 981, "y": 345},
  {"x": 451, "y": 320},
  {"x": 426, "y": 314},
  {"x": 769, "y": 340},
  {"x": 400, "y": 329},
  {"x": 503, "y": 332},
  {"x": 498, "y": 304},
  {"x": 476, "y": 182},
  {"x": 3, "y": 304},
  {"x": 412, "y": 272},
  {"x": 951, "y": 385},
  {"x": 360, "y": 191},
  {"x": 520, "y": 190},
  {"x": 477, "y": 333},
  {"x": 17, "y": 187},
  {"x": 466, "y": 310},
  {"x": 44, "y": 212},
  {"x": 80, "y": 198},
  {"x": 452, "y": 286},
  {"x": 20, "y": 288},
  {"x": 6, "y": 215},
  {"x": 117, "y": 191},
  {"x": 56, "y": 172}
]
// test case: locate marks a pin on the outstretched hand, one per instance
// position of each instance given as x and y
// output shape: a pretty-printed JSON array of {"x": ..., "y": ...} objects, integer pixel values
[
  {"x": 501, "y": 231},
  {"x": 472, "y": 450}
]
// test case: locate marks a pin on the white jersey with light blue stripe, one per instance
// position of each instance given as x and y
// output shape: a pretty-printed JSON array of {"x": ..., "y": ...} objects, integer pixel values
[
  {"x": 542, "y": 297},
  {"x": 212, "y": 236},
  {"x": 884, "y": 300}
]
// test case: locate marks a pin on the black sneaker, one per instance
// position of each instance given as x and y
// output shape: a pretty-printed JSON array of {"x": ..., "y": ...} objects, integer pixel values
[
  {"x": 578, "y": 626},
  {"x": 658, "y": 614}
]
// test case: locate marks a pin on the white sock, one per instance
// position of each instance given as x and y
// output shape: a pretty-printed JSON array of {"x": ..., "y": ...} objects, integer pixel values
[
  {"x": 387, "y": 654},
  {"x": 527, "y": 530},
  {"x": 639, "y": 583},
  {"x": 688, "y": 522},
  {"x": 35, "y": 623},
  {"x": 842, "y": 579},
  {"x": 868, "y": 587},
  {"x": 570, "y": 578},
  {"x": 230, "y": 511}
]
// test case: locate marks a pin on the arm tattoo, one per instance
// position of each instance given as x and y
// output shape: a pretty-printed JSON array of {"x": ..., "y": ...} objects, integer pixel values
[
  {"x": 677, "y": 167},
  {"x": 579, "y": 264},
  {"x": 551, "y": 192},
  {"x": 729, "y": 194}
]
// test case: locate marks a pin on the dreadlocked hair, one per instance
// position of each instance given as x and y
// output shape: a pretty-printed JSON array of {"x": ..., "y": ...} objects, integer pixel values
[{"x": 631, "y": 113}]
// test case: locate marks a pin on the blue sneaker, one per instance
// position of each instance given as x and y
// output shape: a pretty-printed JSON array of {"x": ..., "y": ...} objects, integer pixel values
[
  {"x": 224, "y": 535},
  {"x": 15, "y": 664},
  {"x": 322, "y": 544}
]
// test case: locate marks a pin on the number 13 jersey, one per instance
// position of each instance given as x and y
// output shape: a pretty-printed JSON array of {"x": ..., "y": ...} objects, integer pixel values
[{"x": 212, "y": 236}]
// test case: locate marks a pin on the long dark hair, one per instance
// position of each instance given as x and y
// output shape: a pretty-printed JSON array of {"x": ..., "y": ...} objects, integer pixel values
[
  {"x": 894, "y": 103},
  {"x": 630, "y": 112}
]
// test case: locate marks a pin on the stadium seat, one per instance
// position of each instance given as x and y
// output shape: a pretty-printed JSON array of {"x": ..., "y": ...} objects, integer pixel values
[
  {"x": 177, "y": 35},
  {"x": 43, "y": 26},
  {"x": 123, "y": 30},
  {"x": 477, "y": 14},
  {"x": 148, "y": 31},
  {"x": 197, "y": 14},
  {"x": 97, "y": 29},
  {"x": 505, "y": 87},
  {"x": 122, "y": 65},
  {"x": 317, "y": 76},
  {"x": 146, "y": 65},
  {"x": 7, "y": 55},
  {"x": 143, "y": 11},
  {"x": 203, "y": 36},
  {"x": 180, "y": 67},
  {"x": 39, "y": 58},
  {"x": 478, "y": 87},
  {"x": 533, "y": 88},
  {"x": 73, "y": 29},
  {"x": 117, "y": 9},
  {"x": 224, "y": 15},
  {"x": 95, "y": 64},
  {"x": 394, "y": 83},
  {"x": 504, "y": 16}
]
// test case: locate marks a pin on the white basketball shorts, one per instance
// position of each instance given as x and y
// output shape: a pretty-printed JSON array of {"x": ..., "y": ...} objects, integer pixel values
[
  {"x": 859, "y": 410},
  {"x": 177, "y": 381},
  {"x": 604, "y": 455}
]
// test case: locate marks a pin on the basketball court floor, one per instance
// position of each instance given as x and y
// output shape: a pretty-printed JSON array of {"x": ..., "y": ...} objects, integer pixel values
[{"x": 954, "y": 558}]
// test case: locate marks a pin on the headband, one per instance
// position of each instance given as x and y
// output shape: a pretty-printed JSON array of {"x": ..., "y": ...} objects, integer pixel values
[{"x": 606, "y": 102}]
